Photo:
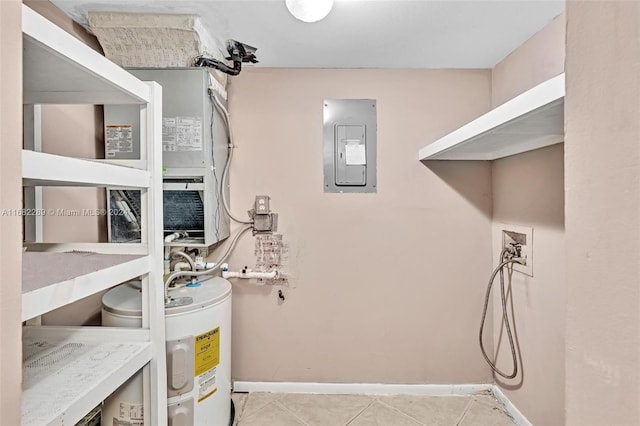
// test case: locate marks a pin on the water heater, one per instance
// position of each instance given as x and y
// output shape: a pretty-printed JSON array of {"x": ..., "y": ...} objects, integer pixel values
[
  {"x": 198, "y": 354},
  {"x": 194, "y": 151}
]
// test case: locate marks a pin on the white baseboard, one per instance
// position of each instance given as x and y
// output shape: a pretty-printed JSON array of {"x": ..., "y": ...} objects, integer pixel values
[
  {"x": 517, "y": 416},
  {"x": 383, "y": 389},
  {"x": 359, "y": 388}
]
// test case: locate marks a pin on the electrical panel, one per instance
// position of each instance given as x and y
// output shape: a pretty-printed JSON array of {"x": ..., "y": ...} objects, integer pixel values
[
  {"x": 349, "y": 145},
  {"x": 194, "y": 151}
]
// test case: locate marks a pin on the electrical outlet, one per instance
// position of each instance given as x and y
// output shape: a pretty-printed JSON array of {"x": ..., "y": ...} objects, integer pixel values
[
  {"x": 523, "y": 236},
  {"x": 262, "y": 204}
]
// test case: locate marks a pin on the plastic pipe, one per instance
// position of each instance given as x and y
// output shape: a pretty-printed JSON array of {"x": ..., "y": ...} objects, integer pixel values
[
  {"x": 186, "y": 257},
  {"x": 224, "y": 257},
  {"x": 182, "y": 266},
  {"x": 250, "y": 274},
  {"x": 172, "y": 237}
]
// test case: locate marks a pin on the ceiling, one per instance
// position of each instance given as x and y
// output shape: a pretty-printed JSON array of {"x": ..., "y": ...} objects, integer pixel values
[{"x": 360, "y": 33}]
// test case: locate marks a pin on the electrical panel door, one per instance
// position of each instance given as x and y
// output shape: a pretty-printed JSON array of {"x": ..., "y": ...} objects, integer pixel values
[{"x": 349, "y": 145}]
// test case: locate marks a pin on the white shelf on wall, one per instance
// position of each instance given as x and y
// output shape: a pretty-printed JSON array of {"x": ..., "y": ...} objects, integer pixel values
[
  {"x": 531, "y": 120},
  {"x": 51, "y": 280},
  {"x": 39, "y": 168},
  {"x": 69, "y": 371},
  {"x": 61, "y": 69}
]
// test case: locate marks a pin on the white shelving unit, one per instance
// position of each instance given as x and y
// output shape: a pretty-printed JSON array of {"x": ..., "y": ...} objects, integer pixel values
[
  {"x": 532, "y": 120},
  {"x": 68, "y": 371}
]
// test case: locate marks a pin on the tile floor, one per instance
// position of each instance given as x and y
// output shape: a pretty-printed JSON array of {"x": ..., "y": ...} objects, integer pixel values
[{"x": 271, "y": 409}]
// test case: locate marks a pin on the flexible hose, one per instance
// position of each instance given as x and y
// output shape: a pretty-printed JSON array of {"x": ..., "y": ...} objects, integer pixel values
[
  {"x": 186, "y": 257},
  {"x": 222, "y": 259},
  {"x": 227, "y": 164},
  {"x": 505, "y": 317}
]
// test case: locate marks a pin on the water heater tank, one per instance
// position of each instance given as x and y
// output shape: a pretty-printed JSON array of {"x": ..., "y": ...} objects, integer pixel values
[{"x": 198, "y": 354}]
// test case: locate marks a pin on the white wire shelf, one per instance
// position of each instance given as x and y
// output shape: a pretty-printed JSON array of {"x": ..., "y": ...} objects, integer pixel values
[
  {"x": 532, "y": 120},
  {"x": 58, "y": 68},
  {"x": 69, "y": 371},
  {"x": 52, "y": 280},
  {"x": 42, "y": 169}
]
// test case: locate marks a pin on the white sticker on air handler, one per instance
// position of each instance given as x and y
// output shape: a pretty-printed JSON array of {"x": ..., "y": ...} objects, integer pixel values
[
  {"x": 207, "y": 358},
  {"x": 131, "y": 414},
  {"x": 118, "y": 138},
  {"x": 181, "y": 134}
]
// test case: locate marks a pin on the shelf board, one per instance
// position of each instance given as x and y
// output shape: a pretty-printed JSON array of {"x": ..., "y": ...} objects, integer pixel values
[
  {"x": 60, "y": 69},
  {"x": 532, "y": 120},
  {"x": 69, "y": 371},
  {"x": 51, "y": 280},
  {"x": 41, "y": 169}
]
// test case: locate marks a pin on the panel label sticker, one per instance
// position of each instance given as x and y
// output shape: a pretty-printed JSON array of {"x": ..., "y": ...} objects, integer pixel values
[
  {"x": 207, "y": 358},
  {"x": 355, "y": 152},
  {"x": 118, "y": 138},
  {"x": 181, "y": 134}
]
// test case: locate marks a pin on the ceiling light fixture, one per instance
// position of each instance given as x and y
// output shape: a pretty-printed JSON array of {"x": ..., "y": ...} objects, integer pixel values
[{"x": 309, "y": 10}]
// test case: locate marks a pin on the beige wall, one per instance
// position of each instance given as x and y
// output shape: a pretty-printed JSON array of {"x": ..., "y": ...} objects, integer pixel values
[
  {"x": 602, "y": 164},
  {"x": 55, "y": 15},
  {"x": 10, "y": 198},
  {"x": 536, "y": 60},
  {"x": 528, "y": 190},
  {"x": 385, "y": 287}
]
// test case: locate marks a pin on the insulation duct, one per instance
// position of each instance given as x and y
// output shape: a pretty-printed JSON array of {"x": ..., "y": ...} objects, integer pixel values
[{"x": 156, "y": 40}]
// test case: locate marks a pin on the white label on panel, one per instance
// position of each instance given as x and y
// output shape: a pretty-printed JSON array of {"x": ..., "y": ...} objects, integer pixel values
[
  {"x": 355, "y": 153},
  {"x": 189, "y": 134},
  {"x": 169, "y": 134},
  {"x": 118, "y": 138},
  {"x": 182, "y": 134}
]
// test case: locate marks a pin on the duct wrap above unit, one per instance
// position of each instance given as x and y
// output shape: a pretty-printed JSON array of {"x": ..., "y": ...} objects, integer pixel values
[{"x": 156, "y": 40}]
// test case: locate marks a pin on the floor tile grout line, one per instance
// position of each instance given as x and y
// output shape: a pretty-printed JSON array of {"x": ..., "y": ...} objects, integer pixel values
[
  {"x": 401, "y": 412},
  {"x": 239, "y": 410},
  {"x": 277, "y": 398},
  {"x": 284, "y": 407},
  {"x": 257, "y": 410},
  {"x": 373, "y": 400},
  {"x": 465, "y": 411},
  {"x": 495, "y": 403}
]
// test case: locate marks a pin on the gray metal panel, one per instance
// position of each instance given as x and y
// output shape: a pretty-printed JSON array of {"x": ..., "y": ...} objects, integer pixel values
[
  {"x": 185, "y": 95},
  {"x": 349, "y": 140}
]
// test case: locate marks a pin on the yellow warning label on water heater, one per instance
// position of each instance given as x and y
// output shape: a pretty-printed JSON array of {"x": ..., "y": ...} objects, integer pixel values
[{"x": 207, "y": 351}]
